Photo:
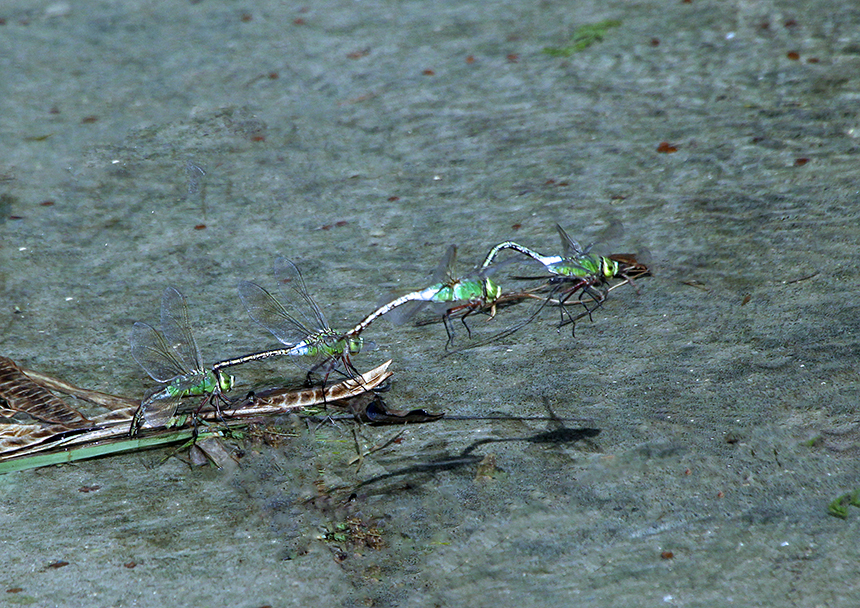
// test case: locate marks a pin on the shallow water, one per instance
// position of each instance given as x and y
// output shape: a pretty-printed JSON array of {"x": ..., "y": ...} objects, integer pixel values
[{"x": 686, "y": 422}]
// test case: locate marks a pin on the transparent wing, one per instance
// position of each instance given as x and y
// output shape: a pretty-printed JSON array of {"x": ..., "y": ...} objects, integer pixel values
[
  {"x": 177, "y": 329},
  {"x": 150, "y": 350},
  {"x": 154, "y": 411},
  {"x": 610, "y": 234},
  {"x": 445, "y": 270},
  {"x": 266, "y": 311},
  {"x": 442, "y": 275},
  {"x": 613, "y": 232},
  {"x": 158, "y": 407},
  {"x": 403, "y": 314},
  {"x": 296, "y": 296},
  {"x": 570, "y": 248}
]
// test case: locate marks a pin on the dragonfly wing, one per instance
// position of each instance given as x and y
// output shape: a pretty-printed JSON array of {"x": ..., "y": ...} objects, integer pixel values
[
  {"x": 442, "y": 276},
  {"x": 266, "y": 311},
  {"x": 296, "y": 295},
  {"x": 159, "y": 405},
  {"x": 613, "y": 232},
  {"x": 570, "y": 248},
  {"x": 150, "y": 350},
  {"x": 155, "y": 410},
  {"x": 177, "y": 329},
  {"x": 403, "y": 313},
  {"x": 445, "y": 271}
]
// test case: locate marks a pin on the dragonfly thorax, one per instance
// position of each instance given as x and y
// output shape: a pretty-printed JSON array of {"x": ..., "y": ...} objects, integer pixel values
[
  {"x": 212, "y": 382},
  {"x": 469, "y": 290}
]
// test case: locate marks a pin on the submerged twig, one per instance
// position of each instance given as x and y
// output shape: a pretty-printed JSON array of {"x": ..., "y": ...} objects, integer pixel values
[{"x": 108, "y": 433}]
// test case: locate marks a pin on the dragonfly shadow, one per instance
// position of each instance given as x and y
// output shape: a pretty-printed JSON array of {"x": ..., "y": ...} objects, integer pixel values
[{"x": 559, "y": 435}]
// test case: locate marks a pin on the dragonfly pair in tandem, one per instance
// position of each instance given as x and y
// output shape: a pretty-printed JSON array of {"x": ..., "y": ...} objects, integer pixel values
[
  {"x": 171, "y": 356},
  {"x": 307, "y": 337},
  {"x": 577, "y": 270}
]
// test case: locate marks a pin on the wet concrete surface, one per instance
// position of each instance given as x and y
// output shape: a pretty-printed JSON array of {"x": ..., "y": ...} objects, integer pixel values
[{"x": 681, "y": 449}]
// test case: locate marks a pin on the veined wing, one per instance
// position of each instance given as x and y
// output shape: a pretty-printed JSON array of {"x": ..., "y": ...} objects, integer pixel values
[
  {"x": 570, "y": 248},
  {"x": 444, "y": 272},
  {"x": 159, "y": 406},
  {"x": 296, "y": 296},
  {"x": 443, "y": 275},
  {"x": 154, "y": 355},
  {"x": 267, "y": 312},
  {"x": 613, "y": 232},
  {"x": 177, "y": 330}
]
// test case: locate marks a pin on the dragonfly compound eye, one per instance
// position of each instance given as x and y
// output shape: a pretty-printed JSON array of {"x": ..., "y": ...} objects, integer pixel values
[{"x": 610, "y": 268}]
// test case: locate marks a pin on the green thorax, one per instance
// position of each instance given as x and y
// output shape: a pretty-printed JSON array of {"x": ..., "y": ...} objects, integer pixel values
[
  {"x": 210, "y": 383},
  {"x": 331, "y": 344},
  {"x": 470, "y": 290},
  {"x": 588, "y": 265}
]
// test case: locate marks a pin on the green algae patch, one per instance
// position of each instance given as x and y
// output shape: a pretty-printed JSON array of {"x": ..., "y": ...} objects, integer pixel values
[{"x": 583, "y": 37}]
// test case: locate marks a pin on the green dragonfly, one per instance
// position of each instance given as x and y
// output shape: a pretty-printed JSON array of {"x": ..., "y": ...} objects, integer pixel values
[
  {"x": 460, "y": 297},
  {"x": 576, "y": 270},
  {"x": 300, "y": 326},
  {"x": 172, "y": 359}
]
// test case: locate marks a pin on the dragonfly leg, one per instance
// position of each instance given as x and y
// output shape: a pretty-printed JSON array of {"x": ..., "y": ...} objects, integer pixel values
[
  {"x": 449, "y": 328},
  {"x": 565, "y": 296},
  {"x": 309, "y": 378},
  {"x": 326, "y": 366},
  {"x": 597, "y": 296},
  {"x": 469, "y": 311},
  {"x": 351, "y": 370},
  {"x": 470, "y": 308},
  {"x": 216, "y": 398},
  {"x": 582, "y": 286}
]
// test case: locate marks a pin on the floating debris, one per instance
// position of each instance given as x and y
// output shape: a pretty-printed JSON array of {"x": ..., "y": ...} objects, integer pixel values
[{"x": 26, "y": 446}]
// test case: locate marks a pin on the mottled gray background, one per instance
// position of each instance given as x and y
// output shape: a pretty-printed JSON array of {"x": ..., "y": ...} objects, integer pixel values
[{"x": 361, "y": 138}]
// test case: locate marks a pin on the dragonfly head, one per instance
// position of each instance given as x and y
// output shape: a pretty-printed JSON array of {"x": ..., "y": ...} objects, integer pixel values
[
  {"x": 225, "y": 381},
  {"x": 609, "y": 268},
  {"x": 354, "y": 344},
  {"x": 492, "y": 290}
]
